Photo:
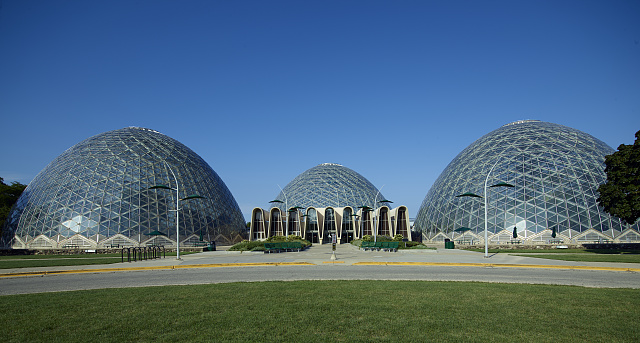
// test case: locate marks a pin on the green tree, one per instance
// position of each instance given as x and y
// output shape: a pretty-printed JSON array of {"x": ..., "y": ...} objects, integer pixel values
[
  {"x": 620, "y": 195},
  {"x": 9, "y": 194}
]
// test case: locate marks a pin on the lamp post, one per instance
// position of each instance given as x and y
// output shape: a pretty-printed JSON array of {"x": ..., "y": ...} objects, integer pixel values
[
  {"x": 486, "y": 205},
  {"x": 177, "y": 189}
]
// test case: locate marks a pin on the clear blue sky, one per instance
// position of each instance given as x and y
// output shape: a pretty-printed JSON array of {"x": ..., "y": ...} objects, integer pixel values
[{"x": 264, "y": 90}]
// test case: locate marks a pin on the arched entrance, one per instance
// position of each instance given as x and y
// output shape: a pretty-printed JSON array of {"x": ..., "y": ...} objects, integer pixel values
[
  {"x": 275, "y": 223},
  {"x": 348, "y": 227},
  {"x": 329, "y": 225},
  {"x": 383, "y": 222},
  {"x": 293, "y": 223},
  {"x": 311, "y": 226}
]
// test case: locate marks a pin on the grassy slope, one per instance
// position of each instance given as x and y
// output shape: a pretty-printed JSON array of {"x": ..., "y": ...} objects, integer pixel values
[{"x": 320, "y": 311}]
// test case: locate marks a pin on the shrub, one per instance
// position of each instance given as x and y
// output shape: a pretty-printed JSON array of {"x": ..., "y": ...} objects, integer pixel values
[
  {"x": 384, "y": 238},
  {"x": 276, "y": 239},
  {"x": 398, "y": 237},
  {"x": 292, "y": 238},
  {"x": 259, "y": 245},
  {"x": 246, "y": 245}
]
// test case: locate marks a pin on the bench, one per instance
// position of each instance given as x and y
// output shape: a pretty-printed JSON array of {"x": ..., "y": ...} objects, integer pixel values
[
  {"x": 556, "y": 241},
  {"x": 282, "y": 246},
  {"x": 388, "y": 246},
  {"x": 465, "y": 241},
  {"x": 514, "y": 241}
]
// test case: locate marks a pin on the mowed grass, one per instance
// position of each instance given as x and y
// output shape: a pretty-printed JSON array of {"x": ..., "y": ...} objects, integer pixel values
[
  {"x": 27, "y": 261},
  {"x": 326, "y": 311},
  {"x": 618, "y": 258},
  {"x": 581, "y": 255}
]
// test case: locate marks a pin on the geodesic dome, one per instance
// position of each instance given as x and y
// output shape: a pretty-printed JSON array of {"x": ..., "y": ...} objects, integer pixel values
[
  {"x": 556, "y": 171},
  {"x": 97, "y": 194},
  {"x": 328, "y": 185}
]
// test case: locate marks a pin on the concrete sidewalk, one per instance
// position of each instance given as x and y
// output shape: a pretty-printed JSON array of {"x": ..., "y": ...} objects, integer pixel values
[{"x": 346, "y": 254}]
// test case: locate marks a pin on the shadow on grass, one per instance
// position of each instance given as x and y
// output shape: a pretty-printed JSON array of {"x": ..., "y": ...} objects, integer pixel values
[{"x": 613, "y": 251}]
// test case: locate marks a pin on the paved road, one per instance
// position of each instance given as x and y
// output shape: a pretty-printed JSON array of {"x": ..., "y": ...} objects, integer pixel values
[{"x": 316, "y": 264}]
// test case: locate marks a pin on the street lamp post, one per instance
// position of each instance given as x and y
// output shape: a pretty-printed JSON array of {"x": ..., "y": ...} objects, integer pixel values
[
  {"x": 177, "y": 189},
  {"x": 486, "y": 205}
]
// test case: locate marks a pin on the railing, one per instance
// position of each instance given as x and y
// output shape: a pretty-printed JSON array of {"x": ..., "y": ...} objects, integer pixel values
[{"x": 143, "y": 253}]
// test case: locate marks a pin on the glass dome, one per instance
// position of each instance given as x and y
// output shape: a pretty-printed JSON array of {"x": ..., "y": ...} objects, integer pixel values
[
  {"x": 556, "y": 171},
  {"x": 99, "y": 188},
  {"x": 328, "y": 185}
]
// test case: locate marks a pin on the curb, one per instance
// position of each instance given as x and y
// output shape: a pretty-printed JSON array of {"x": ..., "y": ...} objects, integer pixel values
[
  {"x": 191, "y": 266},
  {"x": 276, "y": 264}
]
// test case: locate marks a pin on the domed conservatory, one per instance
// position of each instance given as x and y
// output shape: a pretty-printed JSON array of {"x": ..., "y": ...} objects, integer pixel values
[
  {"x": 119, "y": 189},
  {"x": 539, "y": 181},
  {"x": 326, "y": 200}
]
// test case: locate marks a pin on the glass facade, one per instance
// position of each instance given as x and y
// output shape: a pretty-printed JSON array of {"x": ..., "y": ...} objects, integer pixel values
[
  {"x": 97, "y": 192},
  {"x": 556, "y": 171},
  {"x": 328, "y": 185}
]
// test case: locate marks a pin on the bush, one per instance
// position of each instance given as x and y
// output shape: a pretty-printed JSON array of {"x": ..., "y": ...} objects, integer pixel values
[
  {"x": 276, "y": 239},
  {"x": 379, "y": 238},
  {"x": 246, "y": 245},
  {"x": 409, "y": 244},
  {"x": 259, "y": 245},
  {"x": 384, "y": 238},
  {"x": 398, "y": 237}
]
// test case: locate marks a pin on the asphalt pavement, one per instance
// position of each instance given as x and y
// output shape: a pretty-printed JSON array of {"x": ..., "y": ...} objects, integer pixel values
[{"x": 319, "y": 262}]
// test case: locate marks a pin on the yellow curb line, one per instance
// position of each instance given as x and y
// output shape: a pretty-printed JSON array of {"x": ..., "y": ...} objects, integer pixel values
[
  {"x": 107, "y": 270},
  {"x": 496, "y": 265},
  {"x": 333, "y": 262}
]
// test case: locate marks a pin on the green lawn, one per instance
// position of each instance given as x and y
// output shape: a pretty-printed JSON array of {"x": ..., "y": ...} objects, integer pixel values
[
  {"x": 581, "y": 255},
  {"x": 26, "y": 261},
  {"x": 559, "y": 251},
  {"x": 619, "y": 258},
  {"x": 326, "y": 311}
]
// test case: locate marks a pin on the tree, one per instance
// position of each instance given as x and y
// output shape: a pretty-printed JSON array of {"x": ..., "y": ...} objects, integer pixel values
[
  {"x": 620, "y": 195},
  {"x": 9, "y": 194}
]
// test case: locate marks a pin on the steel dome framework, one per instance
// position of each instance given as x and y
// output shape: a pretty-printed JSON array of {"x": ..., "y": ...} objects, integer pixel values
[
  {"x": 96, "y": 194},
  {"x": 326, "y": 200},
  {"x": 556, "y": 171},
  {"x": 328, "y": 185}
]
